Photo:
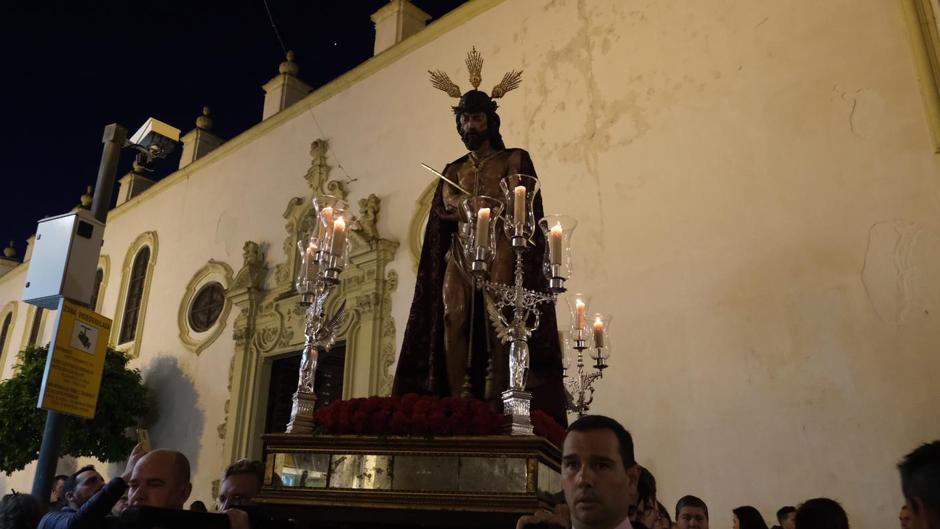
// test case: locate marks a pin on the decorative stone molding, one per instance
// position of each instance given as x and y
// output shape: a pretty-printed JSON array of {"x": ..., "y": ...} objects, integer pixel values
[
  {"x": 213, "y": 271},
  {"x": 132, "y": 348},
  {"x": 104, "y": 263},
  {"x": 418, "y": 221},
  {"x": 270, "y": 323}
]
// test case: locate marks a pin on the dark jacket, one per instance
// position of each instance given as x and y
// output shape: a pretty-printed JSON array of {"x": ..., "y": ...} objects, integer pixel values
[{"x": 90, "y": 515}]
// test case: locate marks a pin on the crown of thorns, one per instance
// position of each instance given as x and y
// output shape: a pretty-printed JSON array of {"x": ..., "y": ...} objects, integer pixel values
[{"x": 474, "y": 61}]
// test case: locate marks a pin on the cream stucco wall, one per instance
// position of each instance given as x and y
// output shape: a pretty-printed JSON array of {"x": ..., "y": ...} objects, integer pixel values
[{"x": 757, "y": 196}]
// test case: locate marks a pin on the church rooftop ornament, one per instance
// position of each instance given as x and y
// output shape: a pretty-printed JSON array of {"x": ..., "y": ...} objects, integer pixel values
[
  {"x": 289, "y": 67},
  {"x": 204, "y": 121},
  {"x": 86, "y": 198}
]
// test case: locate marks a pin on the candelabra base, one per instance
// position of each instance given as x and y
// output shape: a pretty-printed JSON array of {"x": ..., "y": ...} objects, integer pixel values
[
  {"x": 301, "y": 413},
  {"x": 516, "y": 411}
]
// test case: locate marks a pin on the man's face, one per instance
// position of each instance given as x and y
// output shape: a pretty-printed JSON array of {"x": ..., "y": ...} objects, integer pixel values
[
  {"x": 921, "y": 515},
  {"x": 905, "y": 517},
  {"x": 155, "y": 483},
  {"x": 89, "y": 482},
  {"x": 597, "y": 486},
  {"x": 692, "y": 518},
  {"x": 56, "y": 490},
  {"x": 789, "y": 521},
  {"x": 473, "y": 129},
  {"x": 238, "y": 490}
]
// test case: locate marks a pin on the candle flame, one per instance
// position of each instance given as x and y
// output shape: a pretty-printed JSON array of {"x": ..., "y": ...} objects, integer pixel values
[
  {"x": 340, "y": 224},
  {"x": 556, "y": 229}
]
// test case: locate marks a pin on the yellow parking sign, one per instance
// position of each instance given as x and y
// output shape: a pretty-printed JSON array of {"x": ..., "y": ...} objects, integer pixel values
[{"x": 76, "y": 361}]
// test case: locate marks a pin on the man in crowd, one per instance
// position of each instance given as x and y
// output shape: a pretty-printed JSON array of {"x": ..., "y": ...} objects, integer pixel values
[
  {"x": 599, "y": 473},
  {"x": 242, "y": 482},
  {"x": 920, "y": 482},
  {"x": 162, "y": 479},
  {"x": 691, "y": 513},
  {"x": 905, "y": 517},
  {"x": 786, "y": 517},
  {"x": 87, "y": 499},
  {"x": 56, "y": 501},
  {"x": 821, "y": 513},
  {"x": 599, "y": 476},
  {"x": 645, "y": 513}
]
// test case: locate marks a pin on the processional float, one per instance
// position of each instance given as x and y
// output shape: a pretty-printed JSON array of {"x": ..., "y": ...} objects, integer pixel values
[{"x": 501, "y": 475}]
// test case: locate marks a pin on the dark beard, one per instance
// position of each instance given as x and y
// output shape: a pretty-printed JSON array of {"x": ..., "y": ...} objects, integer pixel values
[{"x": 473, "y": 140}]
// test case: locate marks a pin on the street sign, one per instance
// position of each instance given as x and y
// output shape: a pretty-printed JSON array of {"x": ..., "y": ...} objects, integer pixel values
[{"x": 75, "y": 362}]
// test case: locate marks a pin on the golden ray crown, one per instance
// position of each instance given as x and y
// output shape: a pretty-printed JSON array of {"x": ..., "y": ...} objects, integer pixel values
[{"x": 440, "y": 80}]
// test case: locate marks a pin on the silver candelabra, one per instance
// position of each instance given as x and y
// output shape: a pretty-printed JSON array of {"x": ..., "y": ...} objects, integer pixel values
[
  {"x": 514, "y": 310},
  {"x": 579, "y": 388},
  {"x": 322, "y": 259}
]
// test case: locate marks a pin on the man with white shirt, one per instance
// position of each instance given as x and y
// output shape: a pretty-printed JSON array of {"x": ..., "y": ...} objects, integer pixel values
[{"x": 599, "y": 473}]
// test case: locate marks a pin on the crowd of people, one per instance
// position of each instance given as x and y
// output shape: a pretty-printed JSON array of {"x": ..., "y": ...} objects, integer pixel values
[
  {"x": 158, "y": 479},
  {"x": 603, "y": 488}
]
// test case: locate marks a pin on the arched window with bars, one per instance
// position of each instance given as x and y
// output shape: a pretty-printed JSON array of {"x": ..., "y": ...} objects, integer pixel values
[{"x": 135, "y": 292}]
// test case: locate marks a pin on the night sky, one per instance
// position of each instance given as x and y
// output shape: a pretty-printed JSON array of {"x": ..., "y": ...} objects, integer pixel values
[{"x": 70, "y": 68}]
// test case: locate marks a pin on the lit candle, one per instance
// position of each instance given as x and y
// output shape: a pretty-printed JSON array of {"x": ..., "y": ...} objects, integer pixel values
[
  {"x": 580, "y": 308},
  {"x": 339, "y": 237},
  {"x": 483, "y": 227},
  {"x": 518, "y": 206},
  {"x": 554, "y": 244},
  {"x": 598, "y": 332},
  {"x": 326, "y": 223}
]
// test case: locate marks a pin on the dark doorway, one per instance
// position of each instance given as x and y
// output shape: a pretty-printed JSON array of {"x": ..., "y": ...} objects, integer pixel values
[{"x": 328, "y": 384}]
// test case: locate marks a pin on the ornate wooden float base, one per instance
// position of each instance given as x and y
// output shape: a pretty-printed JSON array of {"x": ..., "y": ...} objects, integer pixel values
[{"x": 345, "y": 481}]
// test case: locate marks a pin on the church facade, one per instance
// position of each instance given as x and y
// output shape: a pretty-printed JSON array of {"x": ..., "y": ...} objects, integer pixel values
[{"x": 756, "y": 185}]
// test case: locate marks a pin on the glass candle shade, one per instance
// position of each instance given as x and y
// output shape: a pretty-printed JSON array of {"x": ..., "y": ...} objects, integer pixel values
[
  {"x": 334, "y": 246},
  {"x": 578, "y": 305},
  {"x": 309, "y": 266},
  {"x": 557, "y": 230},
  {"x": 600, "y": 339},
  {"x": 520, "y": 191},
  {"x": 480, "y": 214},
  {"x": 328, "y": 208}
]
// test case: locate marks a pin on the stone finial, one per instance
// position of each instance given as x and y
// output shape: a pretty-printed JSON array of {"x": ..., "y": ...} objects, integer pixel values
[
  {"x": 86, "y": 198},
  {"x": 204, "y": 121},
  {"x": 289, "y": 67},
  {"x": 10, "y": 252}
]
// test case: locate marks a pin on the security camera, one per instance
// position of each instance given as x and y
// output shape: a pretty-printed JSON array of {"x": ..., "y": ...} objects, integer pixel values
[{"x": 155, "y": 138}]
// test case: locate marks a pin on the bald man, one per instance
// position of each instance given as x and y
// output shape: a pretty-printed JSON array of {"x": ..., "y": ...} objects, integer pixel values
[{"x": 161, "y": 479}]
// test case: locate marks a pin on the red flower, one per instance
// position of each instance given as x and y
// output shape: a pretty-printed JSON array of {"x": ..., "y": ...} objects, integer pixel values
[
  {"x": 360, "y": 422},
  {"x": 438, "y": 423},
  {"x": 424, "y": 405},
  {"x": 459, "y": 424},
  {"x": 408, "y": 403},
  {"x": 343, "y": 421},
  {"x": 378, "y": 423},
  {"x": 370, "y": 404},
  {"x": 462, "y": 406},
  {"x": 400, "y": 423},
  {"x": 419, "y": 424}
]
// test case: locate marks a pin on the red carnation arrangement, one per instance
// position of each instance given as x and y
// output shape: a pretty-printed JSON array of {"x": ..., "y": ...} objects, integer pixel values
[{"x": 424, "y": 415}]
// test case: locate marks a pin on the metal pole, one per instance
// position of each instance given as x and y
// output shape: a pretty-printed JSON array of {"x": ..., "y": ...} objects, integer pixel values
[{"x": 114, "y": 138}]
